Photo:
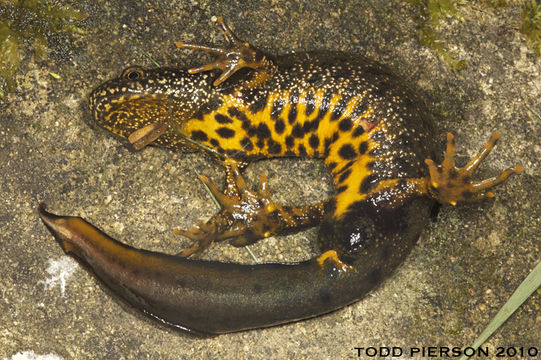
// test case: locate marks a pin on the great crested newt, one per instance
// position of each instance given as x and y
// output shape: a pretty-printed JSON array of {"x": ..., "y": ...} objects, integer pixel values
[{"x": 373, "y": 133}]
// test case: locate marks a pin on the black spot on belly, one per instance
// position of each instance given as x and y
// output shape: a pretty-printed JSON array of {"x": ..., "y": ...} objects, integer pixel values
[
  {"x": 214, "y": 142},
  {"x": 368, "y": 183},
  {"x": 277, "y": 108},
  {"x": 325, "y": 104},
  {"x": 310, "y": 103},
  {"x": 246, "y": 144},
  {"x": 297, "y": 131},
  {"x": 199, "y": 135},
  {"x": 259, "y": 103},
  {"x": 302, "y": 150},
  {"x": 263, "y": 131},
  {"x": 292, "y": 116},
  {"x": 347, "y": 152},
  {"x": 198, "y": 115},
  {"x": 358, "y": 131},
  {"x": 222, "y": 119},
  {"x": 225, "y": 133},
  {"x": 347, "y": 166},
  {"x": 290, "y": 141},
  {"x": 328, "y": 142},
  {"x": 341, "y": 189},
  {"x": 310, "y": 125},
  {"x": 274, "y": 147},
  {"x": 332, "y": 165},
  {"x": 344, "y": 175},
  {"x": 252, "y": 130},
  {"x": 313, "y": 141},
  {"x": 234, "y": 112},
  {"x": 279, "y": 126},
  {"x": 334, "y": 137},
  {"x": 363, "y": 147},
  {"x": 293, "y": 101},
  {"x": 345, "y": 124}
]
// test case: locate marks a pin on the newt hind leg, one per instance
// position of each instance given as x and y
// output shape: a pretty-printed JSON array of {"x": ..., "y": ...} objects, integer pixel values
[
  {"x": 247, "y": 216},
  {"x": 449, "y": 184}
]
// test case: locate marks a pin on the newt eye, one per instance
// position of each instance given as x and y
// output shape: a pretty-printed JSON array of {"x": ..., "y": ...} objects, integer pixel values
[{"x": 133, "y": 74}]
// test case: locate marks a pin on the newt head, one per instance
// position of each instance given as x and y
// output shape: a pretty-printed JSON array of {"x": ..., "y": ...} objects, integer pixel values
[{"x": 147, "y": 105}]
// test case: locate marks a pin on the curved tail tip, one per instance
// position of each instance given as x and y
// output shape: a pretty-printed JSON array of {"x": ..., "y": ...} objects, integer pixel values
[{"x": 45, "y": 215}]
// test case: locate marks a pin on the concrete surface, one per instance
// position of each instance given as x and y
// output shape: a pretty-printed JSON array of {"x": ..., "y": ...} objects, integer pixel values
[{"x": 465, "y": 266}]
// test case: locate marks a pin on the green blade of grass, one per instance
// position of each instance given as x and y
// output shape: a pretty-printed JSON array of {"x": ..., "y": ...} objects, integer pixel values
[
  {"x": 147, "y": 55},
  {"x": 525, "y": 289}
]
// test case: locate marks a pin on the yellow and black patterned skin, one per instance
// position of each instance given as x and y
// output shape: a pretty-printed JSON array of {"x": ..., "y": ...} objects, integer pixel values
[{"x": 372, "y": 132}]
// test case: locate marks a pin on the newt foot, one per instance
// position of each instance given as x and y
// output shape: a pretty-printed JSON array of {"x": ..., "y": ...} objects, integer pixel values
[
  {"x": 332, "y": 256},
  {"x": 449, "y": 184},
  {"x": 246, "y": 216},
  {"x": 236, "y": 55}
]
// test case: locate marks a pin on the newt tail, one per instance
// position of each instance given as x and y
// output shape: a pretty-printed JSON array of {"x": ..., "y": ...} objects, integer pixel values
[{"x": 212, "y": 297}]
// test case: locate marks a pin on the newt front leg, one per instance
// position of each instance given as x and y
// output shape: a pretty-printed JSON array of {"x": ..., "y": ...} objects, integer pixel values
[{"x": 236, "y": 55}]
